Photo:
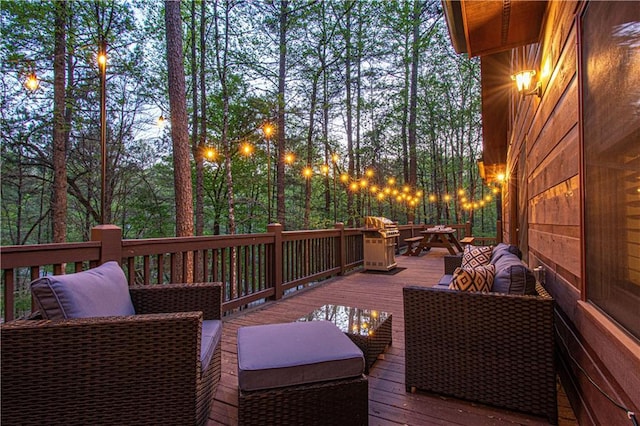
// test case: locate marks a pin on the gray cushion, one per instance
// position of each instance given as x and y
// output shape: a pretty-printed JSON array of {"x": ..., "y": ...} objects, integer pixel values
[
  {"x": 512, "y": 276},
  {"x": 278, "y": 355},
  {"x": 502, "y": 249},
  {"x": 211, "y": 334},
  {"x": 97, "y": 292},
  {"x": 445, "y": 280}
]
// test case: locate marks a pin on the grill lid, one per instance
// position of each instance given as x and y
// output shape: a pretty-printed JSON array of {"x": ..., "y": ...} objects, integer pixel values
[{"x": 378, "y": 222}]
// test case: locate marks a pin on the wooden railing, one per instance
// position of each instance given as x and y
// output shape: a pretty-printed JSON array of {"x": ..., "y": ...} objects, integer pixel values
[{"x": 254, "y": 267}]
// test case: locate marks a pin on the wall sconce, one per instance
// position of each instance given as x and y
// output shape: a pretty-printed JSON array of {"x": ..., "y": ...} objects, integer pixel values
[{"x": 524, "y": 80}]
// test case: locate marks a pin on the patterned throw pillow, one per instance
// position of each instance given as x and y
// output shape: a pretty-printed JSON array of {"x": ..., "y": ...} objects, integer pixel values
[
  {"x": 473, "y": 279},
  {"x": 473, "y": 256}
]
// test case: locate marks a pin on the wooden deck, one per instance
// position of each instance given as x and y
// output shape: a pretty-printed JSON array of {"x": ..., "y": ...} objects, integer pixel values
[{"x": 389, "y": 403}]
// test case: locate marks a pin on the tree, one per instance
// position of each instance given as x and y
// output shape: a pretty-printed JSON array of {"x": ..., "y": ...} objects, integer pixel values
[
  {"x": 179, "y": 121},
  {"x": 60, "y": 134}
]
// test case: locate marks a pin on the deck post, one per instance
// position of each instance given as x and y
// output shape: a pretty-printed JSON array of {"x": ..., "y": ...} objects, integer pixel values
[
  {"x": 276, "y": 228},
  {"x": 467, "y": 229},
  {"x": 111, "y": 238},
  {"x": 341, "y": 254}
]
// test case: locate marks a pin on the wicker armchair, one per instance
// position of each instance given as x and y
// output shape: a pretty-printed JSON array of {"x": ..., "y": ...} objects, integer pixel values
[
  {"x": 139, "y": 369},
  {"x": 496, "y": 349}
]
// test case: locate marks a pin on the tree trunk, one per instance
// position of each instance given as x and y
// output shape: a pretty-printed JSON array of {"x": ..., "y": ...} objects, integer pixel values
[
  {"x": 203, "y": 88},
  {"x": 282, "y": 74},
  {"x": 59, "y": 204},
  {"x": 413, "y": 99},
  {"x": 179, "y": 121},
  {"x": 196, "y": 141},
  {"x": 312, "y": 114},
  {"x": 349, "y": 113}
]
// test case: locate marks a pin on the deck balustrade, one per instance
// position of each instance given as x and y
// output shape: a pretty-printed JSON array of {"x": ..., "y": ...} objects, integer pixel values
[{"x": 254, "y": 267}]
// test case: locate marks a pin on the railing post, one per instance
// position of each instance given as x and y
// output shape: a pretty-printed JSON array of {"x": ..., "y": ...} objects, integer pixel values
[
  {"x": 341, "y": 252},
  {"x": 467, "y": 229},
  {"x": 276, "y": 228},
  {"x": 111, "y": 238},
  {"x": 498, "y": 231}
]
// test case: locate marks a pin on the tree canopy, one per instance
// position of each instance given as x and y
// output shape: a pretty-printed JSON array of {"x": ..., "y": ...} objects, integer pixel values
[{"x": 304, "y": 112}]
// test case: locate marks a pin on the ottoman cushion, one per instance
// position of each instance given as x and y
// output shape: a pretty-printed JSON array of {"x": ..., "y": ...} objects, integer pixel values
[{"x": 279, "y": 355}]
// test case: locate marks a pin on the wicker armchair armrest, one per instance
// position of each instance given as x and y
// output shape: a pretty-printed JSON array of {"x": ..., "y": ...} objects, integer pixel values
[
  {"x": 492, "y": 348},
  {"x": 204, "y": 297},
  {"x": 139, "y": 369},
  {"x": 451, "y": 262}
]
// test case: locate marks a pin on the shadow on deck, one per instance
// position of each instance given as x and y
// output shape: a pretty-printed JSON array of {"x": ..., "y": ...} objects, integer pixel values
[{"x": 389, "y": 403}]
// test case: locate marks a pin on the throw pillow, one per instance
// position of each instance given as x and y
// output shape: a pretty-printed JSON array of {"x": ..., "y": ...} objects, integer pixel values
[
  {"x": 97, "y": 292},
  {"x": 476, "y": 279},
  {"x": 473, "y": 256}
]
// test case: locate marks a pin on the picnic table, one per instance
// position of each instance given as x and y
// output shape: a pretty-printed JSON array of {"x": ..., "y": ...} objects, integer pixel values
[{"x": 434, "y": 237}]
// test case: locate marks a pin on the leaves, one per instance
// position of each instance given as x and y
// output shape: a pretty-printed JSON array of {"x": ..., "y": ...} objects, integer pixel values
[{"x": 447, "y": 115}]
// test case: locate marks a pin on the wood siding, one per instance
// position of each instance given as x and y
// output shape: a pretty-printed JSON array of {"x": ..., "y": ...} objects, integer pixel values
[{"x": 548, "y": 130}]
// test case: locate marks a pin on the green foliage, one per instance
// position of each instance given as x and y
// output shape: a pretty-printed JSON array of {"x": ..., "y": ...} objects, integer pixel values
[{"x": 140, "y": 179}]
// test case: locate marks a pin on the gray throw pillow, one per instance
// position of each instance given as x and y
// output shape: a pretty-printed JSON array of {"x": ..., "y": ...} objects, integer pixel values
[{"x": 97, "y": 292}]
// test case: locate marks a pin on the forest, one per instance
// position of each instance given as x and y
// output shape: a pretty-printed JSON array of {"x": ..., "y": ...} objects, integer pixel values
[{"x": 205, "y": 117}]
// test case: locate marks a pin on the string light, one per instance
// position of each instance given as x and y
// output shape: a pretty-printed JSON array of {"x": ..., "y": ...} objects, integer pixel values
[
  {"x": 32, "y": 83},
  {"x": 210, "y": 153},
  {"x": 289, "y": 158}
]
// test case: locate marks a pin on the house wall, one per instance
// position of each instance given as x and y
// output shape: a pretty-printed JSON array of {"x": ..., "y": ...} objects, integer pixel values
[{"x": 548, "y": 188}]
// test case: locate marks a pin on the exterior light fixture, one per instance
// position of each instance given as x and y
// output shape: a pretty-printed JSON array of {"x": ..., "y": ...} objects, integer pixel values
[
  {"x": 524, "y": 80},
  {"x": 307, "y": 172},
  {"x": 324, "y": 169}
]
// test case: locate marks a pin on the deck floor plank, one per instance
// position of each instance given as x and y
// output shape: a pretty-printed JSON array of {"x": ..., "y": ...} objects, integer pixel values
[{"x": 389, "y": 403}]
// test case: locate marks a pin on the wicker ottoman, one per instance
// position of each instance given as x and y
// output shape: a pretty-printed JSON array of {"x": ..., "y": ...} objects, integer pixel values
[{"x": 301, "y": 373}]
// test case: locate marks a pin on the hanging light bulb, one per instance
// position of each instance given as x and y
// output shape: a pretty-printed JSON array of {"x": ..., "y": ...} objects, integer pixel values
[
  {"x": 32, "y": 83},
  {"x": 210, "y": 153}
]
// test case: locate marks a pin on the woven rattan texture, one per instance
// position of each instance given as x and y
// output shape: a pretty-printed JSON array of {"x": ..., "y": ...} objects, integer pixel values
[
  {"x": 141, "y": 369},
  {"x": 491, "y": 348},
  {"x": 374, "y": 344},
  {"x": 339, "y": 402},
  {"x": 451, "y": 262}
]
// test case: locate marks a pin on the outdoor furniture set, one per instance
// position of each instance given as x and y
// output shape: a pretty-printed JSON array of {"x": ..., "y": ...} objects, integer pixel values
[
  {"x": 490, "y": 333},
  {"x": 107, "y": 353},
  {"x": 104, "y": 353}
]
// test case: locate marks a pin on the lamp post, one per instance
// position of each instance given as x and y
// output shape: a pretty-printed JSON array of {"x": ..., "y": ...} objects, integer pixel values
[
  {"x": 102, "y": 66},
  {"x": 334, "y": 160},
  {"x": 267, "y": 129}
]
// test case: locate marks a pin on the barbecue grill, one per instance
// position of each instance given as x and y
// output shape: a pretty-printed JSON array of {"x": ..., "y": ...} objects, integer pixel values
[{"x": 380, "y": 243}]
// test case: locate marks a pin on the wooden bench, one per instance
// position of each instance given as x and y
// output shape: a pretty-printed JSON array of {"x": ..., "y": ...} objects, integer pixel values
[
  {"x": 410, "y": 242},
  {"x": 467, "y": 240}
]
